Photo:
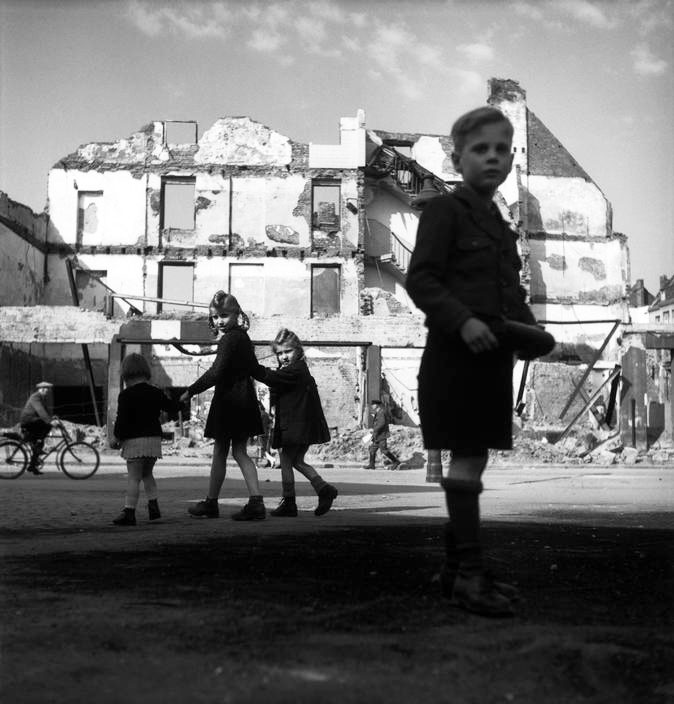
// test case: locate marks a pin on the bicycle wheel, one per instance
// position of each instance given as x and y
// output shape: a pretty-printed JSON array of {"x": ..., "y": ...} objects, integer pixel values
[
  {"x": 13, "y": 459},
  {"x": 78, "y": 460}
]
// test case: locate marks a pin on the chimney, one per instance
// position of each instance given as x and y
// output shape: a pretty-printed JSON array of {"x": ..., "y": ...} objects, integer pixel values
[{"x": 663, "y": 281}]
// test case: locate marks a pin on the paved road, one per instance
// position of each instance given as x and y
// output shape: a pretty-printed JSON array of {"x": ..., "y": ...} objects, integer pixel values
[{"x": 52, "y": 513}]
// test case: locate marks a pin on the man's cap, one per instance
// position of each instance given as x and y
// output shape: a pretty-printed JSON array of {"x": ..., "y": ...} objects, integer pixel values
[{"x": 44, "y": 385}]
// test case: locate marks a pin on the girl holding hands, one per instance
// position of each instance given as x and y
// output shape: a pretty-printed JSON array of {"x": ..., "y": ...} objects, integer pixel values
[
  {"x": 234, "y": 415},
  {"x": 298, "y": 422}
]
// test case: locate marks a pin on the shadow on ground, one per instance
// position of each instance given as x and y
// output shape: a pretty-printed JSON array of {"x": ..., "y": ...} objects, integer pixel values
[{"x": 347, "y": 615}]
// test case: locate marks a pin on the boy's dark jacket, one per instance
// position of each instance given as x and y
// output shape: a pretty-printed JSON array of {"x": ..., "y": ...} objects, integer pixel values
[
  {"x": 465, "y": 263},
  {"x": 298, "y": 415},
  {"x": 138, "y": 409}
]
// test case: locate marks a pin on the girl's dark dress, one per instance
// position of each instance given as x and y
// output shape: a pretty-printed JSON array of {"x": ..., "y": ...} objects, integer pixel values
[
  {"x": 234, "y": 413},
  {"x": 465, "y": 264},
  {"x": 299, "y": 418}
]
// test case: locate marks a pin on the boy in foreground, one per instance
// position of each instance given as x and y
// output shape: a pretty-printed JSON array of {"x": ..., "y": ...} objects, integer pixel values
[{"x": 464, "y": 275}]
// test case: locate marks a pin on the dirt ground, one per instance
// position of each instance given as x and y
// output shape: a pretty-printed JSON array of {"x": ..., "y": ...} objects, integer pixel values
[{"x": 321, "y": 611}]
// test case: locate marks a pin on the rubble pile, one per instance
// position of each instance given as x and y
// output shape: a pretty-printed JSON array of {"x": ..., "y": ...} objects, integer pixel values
[{"x": 530, "y": 446}]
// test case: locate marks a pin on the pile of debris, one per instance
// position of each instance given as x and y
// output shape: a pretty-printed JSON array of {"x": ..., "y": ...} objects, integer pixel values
[{"x": 530, "y": 446}]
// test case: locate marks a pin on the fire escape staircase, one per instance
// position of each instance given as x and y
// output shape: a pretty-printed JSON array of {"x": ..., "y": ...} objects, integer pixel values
[
  {"x": 413, "y": 184},
  {"x": 397, "y": 258}
]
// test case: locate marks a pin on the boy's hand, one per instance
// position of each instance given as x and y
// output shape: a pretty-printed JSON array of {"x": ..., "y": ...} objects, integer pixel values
[{"x": 477, "y": 336}]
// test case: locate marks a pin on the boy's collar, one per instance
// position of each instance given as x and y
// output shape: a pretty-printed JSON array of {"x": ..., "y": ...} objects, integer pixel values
[{"x": 471, "y": 198}]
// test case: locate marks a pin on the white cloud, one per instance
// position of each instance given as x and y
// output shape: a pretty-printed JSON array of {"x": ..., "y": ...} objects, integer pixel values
[
  {"x": 585, "y": 12},
  {"x": 554, "y": 13},
  {"x": 192, "y": 21},
  {"x": 645, "y": 63},
  {"x": 476, "y": 51},
  {"x": 265, "y": 40}
]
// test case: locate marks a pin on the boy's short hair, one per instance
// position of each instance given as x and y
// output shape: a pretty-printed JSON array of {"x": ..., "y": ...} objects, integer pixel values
[
  {"x": 473, "y": 120},
  {"x": 135, "y": 366}
]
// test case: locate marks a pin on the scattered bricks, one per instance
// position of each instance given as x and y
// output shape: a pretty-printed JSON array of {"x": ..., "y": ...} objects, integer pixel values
[{"x": 629, "y": 455}]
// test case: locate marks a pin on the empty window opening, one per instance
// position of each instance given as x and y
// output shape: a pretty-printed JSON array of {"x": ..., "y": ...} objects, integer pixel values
[
  {"x": 73, "y": 403},
  {"x": 176, "y": 283},
  {"x": 246, "y": 284},
  {"x": 326, "y": 205},
  {"x": 88, "y": 217},
  {"x": 180, "y": 131},
  {"x": 325, "y": 289},
  {"x": 178, "y": 203}
]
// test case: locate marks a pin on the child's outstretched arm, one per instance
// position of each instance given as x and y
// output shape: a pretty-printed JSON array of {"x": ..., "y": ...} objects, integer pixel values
[
  {"x": 278, "y": 378},
  {"x": 226, "y": 350}
]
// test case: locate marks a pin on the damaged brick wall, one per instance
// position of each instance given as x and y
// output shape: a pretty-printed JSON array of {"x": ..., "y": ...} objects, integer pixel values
[{"x": 22, "y": 258}]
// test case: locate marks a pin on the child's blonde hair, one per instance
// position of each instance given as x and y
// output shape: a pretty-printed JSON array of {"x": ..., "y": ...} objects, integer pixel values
[
  {"x": 135, "y": 366},
  {"x": 473, "y": 120},
  {"x": 224, "y": 303},
  {"x": 289, "y": 338}
]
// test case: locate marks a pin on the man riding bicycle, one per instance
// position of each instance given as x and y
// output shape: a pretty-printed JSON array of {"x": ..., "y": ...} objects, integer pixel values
[{"x": 36, "y": 421}]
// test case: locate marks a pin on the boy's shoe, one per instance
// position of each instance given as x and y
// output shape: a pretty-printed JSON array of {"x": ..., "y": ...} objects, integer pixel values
[
  {"x": 153, "y": 509},
  {"x": 208, "y": 508},
  {"x": 287, "y": 507},
  {"x": 478, "y": 595},
  {"x": 252, "y": 511},
  {"x": 368, "y": 466},
  {"x": 447, "y": 578},
  {"x": 325, "y": 498},
  {"x": 126, "y": 518}
]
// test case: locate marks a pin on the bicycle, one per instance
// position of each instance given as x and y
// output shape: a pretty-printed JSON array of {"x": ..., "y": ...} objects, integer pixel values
[{"x": 76, "y": 458}]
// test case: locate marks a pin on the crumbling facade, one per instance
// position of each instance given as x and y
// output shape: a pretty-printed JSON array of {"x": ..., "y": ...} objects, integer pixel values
[{"x": 312, "y": 237}]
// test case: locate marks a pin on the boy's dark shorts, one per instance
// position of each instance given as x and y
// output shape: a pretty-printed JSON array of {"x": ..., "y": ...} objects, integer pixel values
[{"x": 465, "y": 399}]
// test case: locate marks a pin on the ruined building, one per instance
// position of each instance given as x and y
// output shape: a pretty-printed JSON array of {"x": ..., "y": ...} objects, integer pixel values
[{"x": 140, "y": 232}]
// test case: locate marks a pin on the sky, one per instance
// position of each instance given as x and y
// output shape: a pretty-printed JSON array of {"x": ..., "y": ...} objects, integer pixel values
[{"x": 598, "y": 75}]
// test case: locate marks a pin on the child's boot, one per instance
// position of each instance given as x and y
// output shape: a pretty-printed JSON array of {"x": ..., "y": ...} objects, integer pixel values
[
  {"x": 326, "y": 496},
  {"x": 126, "y": 518},
  {"x": 287, "y": 508},
  {"x": 208, "y": 508},
  {"x": 153, "y": 510},
  {"x": 254, "y": 510}
]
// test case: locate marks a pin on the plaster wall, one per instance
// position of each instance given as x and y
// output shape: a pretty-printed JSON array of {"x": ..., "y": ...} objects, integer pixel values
[
  {"x": 579, "y": 271},
  {"x": 242, "y": 141},
  {"x": 349, "y": 153},
  {"x": 120, "y": 213},
  {"x": 569, "y": 205},
  {"x": 430, "y": 153},
  {"x": 394, "y": 215}
]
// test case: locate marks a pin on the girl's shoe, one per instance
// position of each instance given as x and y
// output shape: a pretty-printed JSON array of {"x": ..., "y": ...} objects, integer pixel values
[
  {"x": 447, "y": 578},
  {"x": 287, "y": 507},
  {"x": 208, "y": 508},
  {"x": 252, "y": 511},
  {"x": 126, "y": 518},
  {"x": 153, "y": 509},
  {"x": 325, "y": 498}
]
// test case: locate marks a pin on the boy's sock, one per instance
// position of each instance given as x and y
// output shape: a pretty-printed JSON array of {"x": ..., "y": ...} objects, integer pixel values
[
  {"x": 463, "y": 506},
  {"x": 256, "y": 499},
  {"x": 288, "y": 489},
  {"x": 318, "y": 483}
]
